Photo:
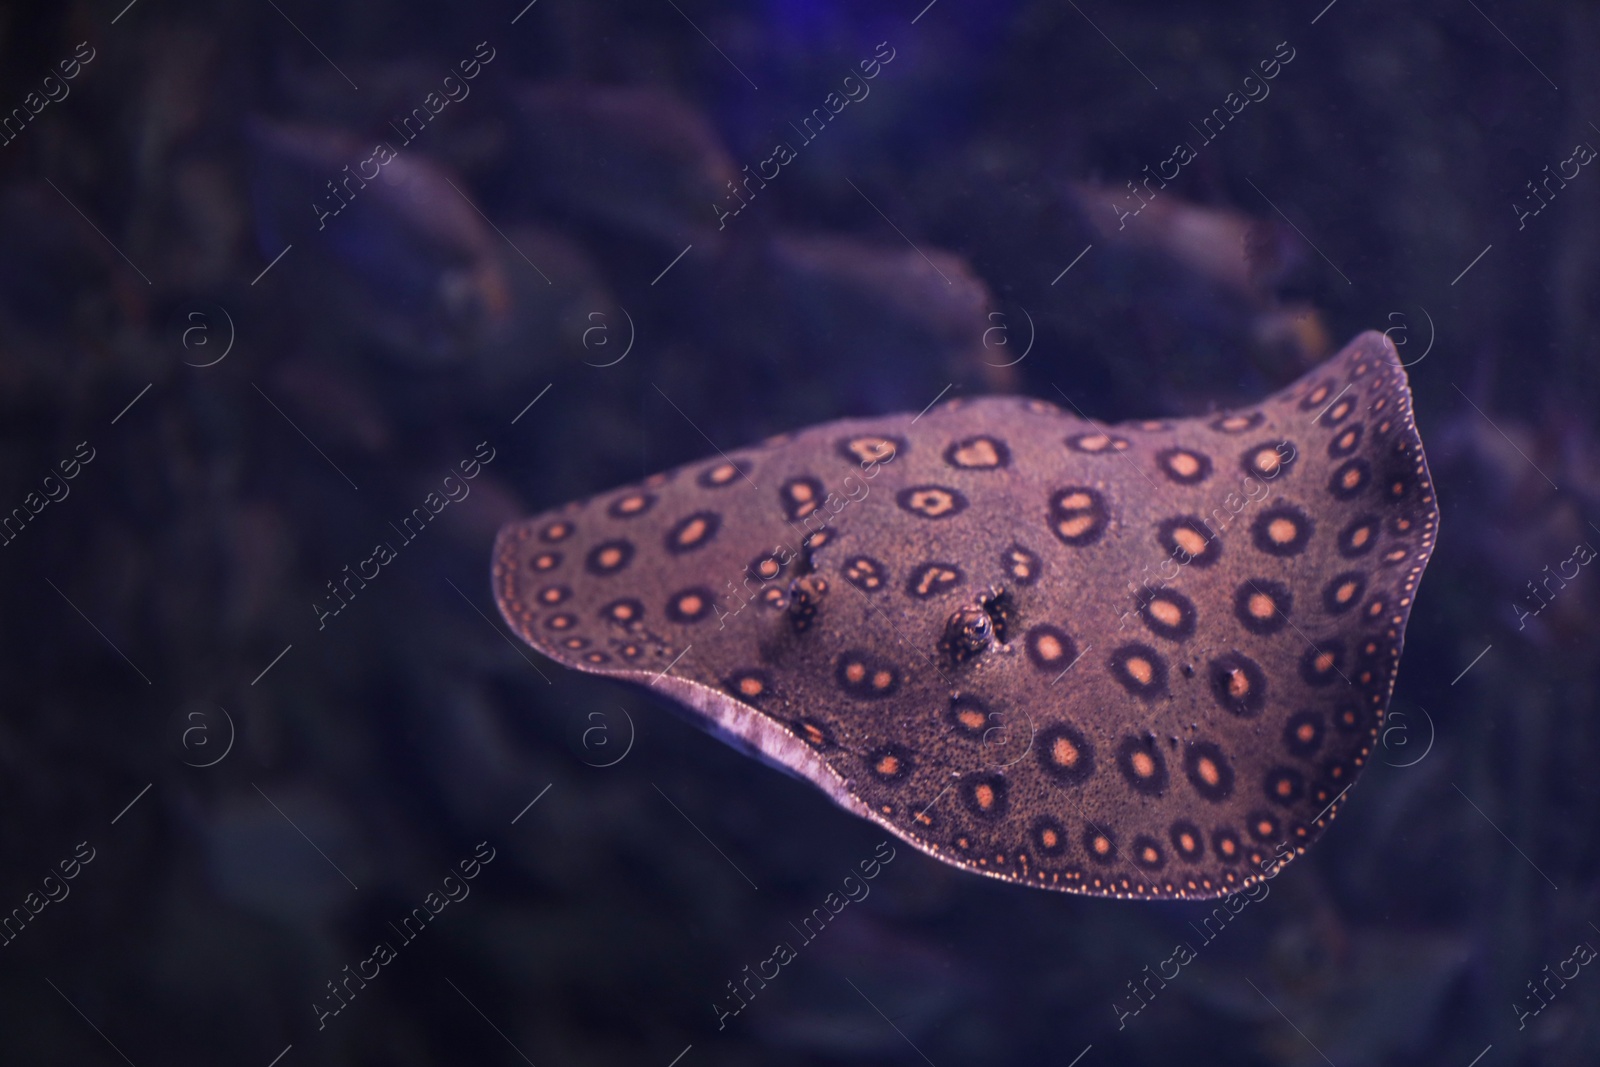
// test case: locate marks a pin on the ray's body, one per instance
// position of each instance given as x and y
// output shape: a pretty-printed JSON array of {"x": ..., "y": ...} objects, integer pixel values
[{"x": 1144, "y": 660}]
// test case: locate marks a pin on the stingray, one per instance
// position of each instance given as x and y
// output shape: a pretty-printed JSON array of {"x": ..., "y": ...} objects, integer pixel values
[{"x": 1144, "y": 660}]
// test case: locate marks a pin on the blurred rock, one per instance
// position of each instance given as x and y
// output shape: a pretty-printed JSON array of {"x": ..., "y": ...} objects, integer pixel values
[
  {"x": 636, "y": 160},
  {"x": 875, "y": 327},
  {"x": 401, "y": 259}
]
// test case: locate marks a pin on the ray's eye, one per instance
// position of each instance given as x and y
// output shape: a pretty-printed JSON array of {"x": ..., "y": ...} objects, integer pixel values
[{"x": 966, "y": 633}]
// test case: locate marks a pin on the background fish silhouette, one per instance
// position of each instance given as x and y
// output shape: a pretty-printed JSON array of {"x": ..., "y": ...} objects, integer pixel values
[{"x": 1139, "y": 661}]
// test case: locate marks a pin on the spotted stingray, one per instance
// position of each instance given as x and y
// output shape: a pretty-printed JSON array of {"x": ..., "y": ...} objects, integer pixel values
[{"x": 1144, "y": 660}]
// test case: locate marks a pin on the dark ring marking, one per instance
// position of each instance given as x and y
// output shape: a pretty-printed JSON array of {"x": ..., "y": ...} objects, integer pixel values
[
  {"x": 1184, "y": 465},
  {"x": 865, "y": 573},
  {"x": 1143, "y": 766},
  {"x": 1226, "y": 844},
  {"x": 865, "y": 675},
  {"x": 1338, "y": 411},
  {"x": 931, "y": 501},
  {"x": 631, "y": 505},
  {"x": 1147, "y": 853},
  {"x": 1350, "y": 479},
  {"x": 1167, "y": 612},
  {"x": 1319, "y": 395},
  {"x": 933, "y": 579},
  {"x": 690, "y": 605},
  {"x": 1262, "y": 606},
  {"x": 1264, "y": 826},
  {"x": 692, "y": 532},
  {"x": 1303, "y": 733},
  {"x": 970, "y": 716},
  {"x": 1021, "y": 564},
  {"x": 624, "y": 612},
  {"x": 1349, "y": 718},
  {"x": 1189, "y": 541},
  {"x": 890, "y": 763},
  {"x": 1065, "y": 754},
  {"x": 1139, "y": 669},
  {"x": 1320, "y": 664},
  {"x": 1048, "y": 836},
  {"x": 1343, "y": 592},
  {"x": 1269, "y": 459},
  {"x": 751, "y": 686},
  {"x": 1238, "y": 684},
  {"x": 871, "y": 448},
  {"x": 1359, "y": 537},
  {"x": 1049, "y": 648},
  {"x": 608, "y": 557},
  {"x": 1346, "y": 441},
  {"x": 768, "y": 567},
  {"x": 1282, "y": 531},
  {"x": 1208, "y": 770},
  {"x": 1284, "y": 785},
  {"x": 1187, "y": 841},
  {"x": 1078, "y": 515},
  {"x": 558, "y": 530},
  {"x": 800, "y": 497},
  {"x": 1100, "y": 844},
  {"x": 981, "y": 453},
  {"x": 813, "y": 733},
  {"x": 721, "y": 474},
  {"x": 1237, "y": 423},
  {"x": 985, "y": 795},
  {"x": 1399, "y": 480}
]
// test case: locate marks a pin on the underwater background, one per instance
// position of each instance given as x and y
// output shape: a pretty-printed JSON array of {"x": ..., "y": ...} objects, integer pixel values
[{"x": 229, "y": 362}]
